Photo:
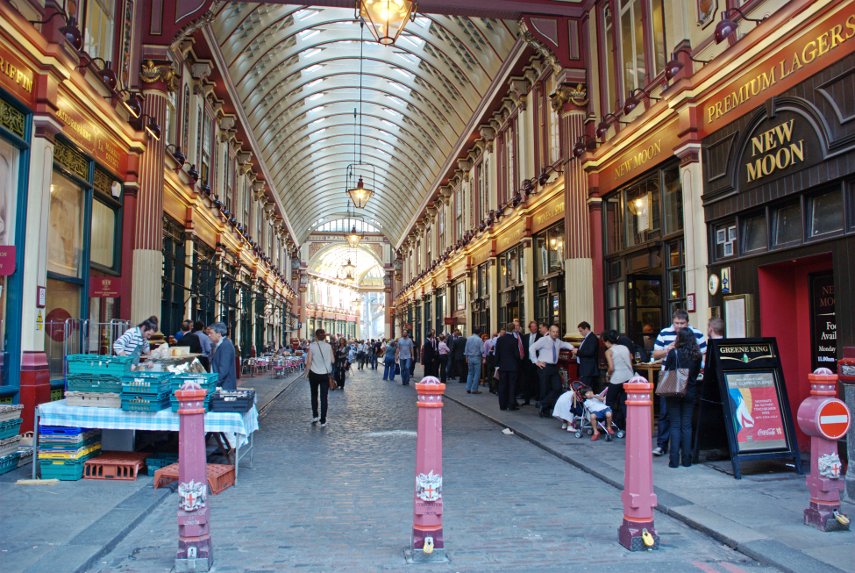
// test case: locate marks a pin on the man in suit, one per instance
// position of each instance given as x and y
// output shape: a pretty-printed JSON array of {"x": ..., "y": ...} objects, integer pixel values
[
  {"x": 530, "y": 377},
  {"x": 509, "y": 354},
  {"x": 458, "y": 357},
  {"x": 587, "y": 356},
  {"x": 430, "y": 355}
]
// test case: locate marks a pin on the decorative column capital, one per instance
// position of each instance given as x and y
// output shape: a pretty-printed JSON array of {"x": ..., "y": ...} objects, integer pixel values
[{"x": 159, "y": 75}]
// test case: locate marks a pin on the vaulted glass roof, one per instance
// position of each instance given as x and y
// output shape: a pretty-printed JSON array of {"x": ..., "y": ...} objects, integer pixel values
[{"x": 296, "y": 74}]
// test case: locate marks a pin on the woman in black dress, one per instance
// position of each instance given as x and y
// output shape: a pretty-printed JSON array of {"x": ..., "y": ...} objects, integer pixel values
[
  {"x": 341, "y": 364},
  {"x": 685, "y": 354}
]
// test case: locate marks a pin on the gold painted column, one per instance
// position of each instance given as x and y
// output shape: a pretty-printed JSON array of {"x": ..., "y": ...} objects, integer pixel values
[
  {"x": 578, "y": 265},
  {"x": 694, "y": 232},
  {"x": 157, "y": 80}
]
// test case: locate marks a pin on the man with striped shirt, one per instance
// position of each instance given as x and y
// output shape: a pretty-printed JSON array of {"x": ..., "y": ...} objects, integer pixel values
[{"x": 663, "y": 345}]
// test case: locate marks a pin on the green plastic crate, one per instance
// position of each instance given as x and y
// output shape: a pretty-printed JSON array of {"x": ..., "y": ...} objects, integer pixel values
[
  {"x": 207, "y": 380},
  {"x": 71, "y": 472},
  {"x": 9, "y": 428},
  {"x": 175, "y": 404},
  {"x": 99, "y": 364},
  {"x": 146, "y": 383},
  {"x": 157, "y": 461},
  {"x": 9, "y": 462},
  {"x": 93, "y": 383},
  {"x": 144, "y": 403}
]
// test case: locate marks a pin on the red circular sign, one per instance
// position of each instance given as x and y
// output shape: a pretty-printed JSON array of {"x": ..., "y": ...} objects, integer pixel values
[{"x": 833, "y": 419}]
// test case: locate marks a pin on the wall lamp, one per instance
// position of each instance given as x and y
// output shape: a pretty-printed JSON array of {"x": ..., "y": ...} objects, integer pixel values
[
  {"x": 634, "y": 98},
  {"x": 193, "y": 173},
  {"x": 727, "y": 27},
  {"x": 132, "y": 103},
  {"x": 674, "y": 65},
  {"x": 105, "y": 73},
  {"x": 583, "y": 144},
  {"x": 69, "y": 30},
  {"x": 176, "y": 154},
  {"x": 605, "y": 122},
  {"x": 152, "y": 128}
]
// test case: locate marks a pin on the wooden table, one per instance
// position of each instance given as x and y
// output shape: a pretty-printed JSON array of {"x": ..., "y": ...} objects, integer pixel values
[{"x": 651, "y": 370}]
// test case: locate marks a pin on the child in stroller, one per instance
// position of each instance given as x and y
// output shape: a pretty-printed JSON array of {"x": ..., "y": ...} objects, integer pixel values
[
  {"x": 596, "y": 413},
  {"x": 568, "y": 408}
]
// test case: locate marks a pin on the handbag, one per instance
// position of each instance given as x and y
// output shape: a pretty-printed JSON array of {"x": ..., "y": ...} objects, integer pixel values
[
  {"x": 674, "y": 383},
  {"x": 330, "y": 377},
  {"x": 397, "y": 368}
]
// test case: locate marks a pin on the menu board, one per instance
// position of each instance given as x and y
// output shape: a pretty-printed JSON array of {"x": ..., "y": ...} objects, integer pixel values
[
  {"x": 755, "y": 410},
  {"x": 823, "y": 322}
]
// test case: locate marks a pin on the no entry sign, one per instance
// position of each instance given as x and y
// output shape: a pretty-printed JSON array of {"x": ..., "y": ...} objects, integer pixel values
[{"x": 833, "y": 419}]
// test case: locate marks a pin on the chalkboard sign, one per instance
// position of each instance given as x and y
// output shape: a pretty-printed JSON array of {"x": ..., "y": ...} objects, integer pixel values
[{"x": 754, "y": 401}]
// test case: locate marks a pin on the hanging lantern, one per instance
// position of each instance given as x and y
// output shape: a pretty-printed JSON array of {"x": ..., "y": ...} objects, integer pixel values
[
  {"x": 360, "y": 195},
  {"x": 386, "y": 19},
  {"x": 349, "y": 268},
  {"x": 354, "y": 237}
]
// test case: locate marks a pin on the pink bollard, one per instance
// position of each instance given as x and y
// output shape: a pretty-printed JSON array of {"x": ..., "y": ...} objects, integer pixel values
[
  {"x": 427, "y": 544},
  {"x": 825, "y": 419},
  {"x": 637, "y": 532},
  {"x": 195, "y": 552}
]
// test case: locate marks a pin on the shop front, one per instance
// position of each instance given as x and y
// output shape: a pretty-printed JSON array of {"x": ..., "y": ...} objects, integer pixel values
[
  {"x": 644, "y": 267},
  {"x": 549, "y": 277},
  {"x": 481, "y": 298},
  {"x": 779, "y": 203},
  {"x": 511, "y": 278}
]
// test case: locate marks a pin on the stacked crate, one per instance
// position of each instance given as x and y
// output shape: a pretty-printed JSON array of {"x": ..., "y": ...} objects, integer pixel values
[
  {"x": 146, "y": 391},
  {"x": 96, "y": 380},
  {"x": 10, "y": 422},
  {"x": 63, "y": 451},
  {"x": 207, "y": 380}
]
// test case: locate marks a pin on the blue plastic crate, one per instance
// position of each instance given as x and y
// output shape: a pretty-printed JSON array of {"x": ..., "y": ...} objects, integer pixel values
[
  {"x": 60, "y": 430},
  {"x": 9, "y": 428},
  {"x": 146, "y": 383},
  {"x": 99, "y": 364}
]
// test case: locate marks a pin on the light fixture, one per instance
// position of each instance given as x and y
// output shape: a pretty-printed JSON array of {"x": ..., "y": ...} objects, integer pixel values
[
  {"x": 175, "y": 151},
  {"x": 727, "y": 27},
  {"x": 634, "y": 98},
  {"x": 583, "y": 144},
  {"x": 674, "y": 65},
  {"x": 355, "y": 185},
  {"x": 348, "y": 269},
  {"x": 105, "y": 72},
  {"x": 605, "y": 121},
  {"x": 354, "y": 237},
  {"x": 193, "y": 173},
  {"x": 386, "y": 18},
  {"x": 69, "y": 30},
  {"x": 151, "y": 127},
  {"x": 133, "y": 103}
]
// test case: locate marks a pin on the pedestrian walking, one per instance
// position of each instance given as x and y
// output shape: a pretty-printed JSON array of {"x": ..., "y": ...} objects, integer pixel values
[
  {"x": 319, "y": 362},
  {"x": 472, "y": 351},
  {"x": 389, "y": 361},
  {"x": 404, "y": 356}
]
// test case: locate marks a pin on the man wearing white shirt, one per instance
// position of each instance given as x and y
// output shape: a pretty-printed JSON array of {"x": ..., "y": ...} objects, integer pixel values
[{"x": 547, "y": 350}]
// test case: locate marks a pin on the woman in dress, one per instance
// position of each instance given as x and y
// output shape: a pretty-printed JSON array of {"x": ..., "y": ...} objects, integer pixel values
[{"x": 620, "y": 370}]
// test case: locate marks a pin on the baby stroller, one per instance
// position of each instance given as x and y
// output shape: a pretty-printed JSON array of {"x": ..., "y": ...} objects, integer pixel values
[
  {"x": 583, "y": 422},
  {"x": 568, "y": 407}
]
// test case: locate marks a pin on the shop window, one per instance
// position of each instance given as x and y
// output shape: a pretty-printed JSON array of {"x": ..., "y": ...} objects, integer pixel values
[
  {"x": 185, "y": 119},
  {"x": 725, "y": 240},
  {"x": 65, "y": 241},
  {"x": 98, "y": 34},
  {"x": 103, "y": 251},
  {"x": 615, "y": 305},
  {"x": 62, "y": 303},
  {"x": 787, "y": 224},
  {"x": 642, "y": 203},
  {"x": 609, "y": 57},
  {"x": 826, "y": 213},
  {"x": 754, "y": 236},
  {"x": 550, "y": 251},
  {"x": 672, "y": 196},
  {"x": 676, "y": 275}
]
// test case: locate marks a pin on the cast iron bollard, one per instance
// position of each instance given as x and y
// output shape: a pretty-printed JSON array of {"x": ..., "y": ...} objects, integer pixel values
[
  {"x": 825, "y": 419},
  {"x": 637, "y": 532},
  {"x": 846, "y": 375},
  {"x": 195, "y": 552},
  {"x": 427, "y": 544}
]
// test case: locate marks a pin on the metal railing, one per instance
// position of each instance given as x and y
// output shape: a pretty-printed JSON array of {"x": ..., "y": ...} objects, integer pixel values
[{"x": 79, "y": 336}]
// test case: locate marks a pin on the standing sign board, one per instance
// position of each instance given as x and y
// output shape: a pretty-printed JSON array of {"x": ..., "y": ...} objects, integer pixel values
[{"x": 755, "y": 406}]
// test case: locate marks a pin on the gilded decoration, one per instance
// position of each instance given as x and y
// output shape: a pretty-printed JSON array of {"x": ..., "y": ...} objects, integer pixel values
[
  {"x": 152, "y": 73},
  {"x": 71, "y": 160},
  {"x": 11, "y": 119},
  {"x": 102, "y": 182}
]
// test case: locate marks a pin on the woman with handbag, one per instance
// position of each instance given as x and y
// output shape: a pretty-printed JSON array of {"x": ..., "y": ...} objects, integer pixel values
[
  {"x": 678, "y": 383},
  {"x": 319, "y": 363}
]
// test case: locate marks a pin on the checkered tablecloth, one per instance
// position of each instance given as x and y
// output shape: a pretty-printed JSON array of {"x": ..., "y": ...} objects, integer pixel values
[{"x": 61, "y": 414}]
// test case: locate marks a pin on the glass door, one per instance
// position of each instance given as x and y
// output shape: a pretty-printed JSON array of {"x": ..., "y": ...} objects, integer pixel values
[{"x": 644, "y": 294}]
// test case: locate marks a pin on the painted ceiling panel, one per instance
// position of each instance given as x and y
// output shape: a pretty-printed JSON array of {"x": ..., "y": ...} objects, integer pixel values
[{"x": 296, "y": 71}]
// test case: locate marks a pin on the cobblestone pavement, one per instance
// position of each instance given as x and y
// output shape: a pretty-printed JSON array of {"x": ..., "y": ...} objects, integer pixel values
[{"x": 340, "y": 499}]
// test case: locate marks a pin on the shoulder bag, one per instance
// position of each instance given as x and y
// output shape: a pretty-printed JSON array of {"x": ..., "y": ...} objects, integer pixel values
[
  {"x": 330, "y": 377},
  {"x": 673, "y": 383}
]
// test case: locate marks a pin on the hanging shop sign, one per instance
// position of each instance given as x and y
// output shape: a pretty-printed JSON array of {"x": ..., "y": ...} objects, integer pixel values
[
  {"x": 16, "y": 77},
  {"x": 831, "y": 37},
  {"x": 753, "y": 399},
  {"x": 7, "y": 260},
  {"x": 105, "y": 287},
  {"x": 89, "y": 135}
]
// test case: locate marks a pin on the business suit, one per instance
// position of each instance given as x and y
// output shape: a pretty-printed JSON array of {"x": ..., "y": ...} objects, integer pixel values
[
  {"x": 223, "y": 363},
  {"x": 508, "y": 361},
  {"x": 588, "y": 354},
  {"x": 530, "y": 383},
  {"x": 430, "y": 357}
]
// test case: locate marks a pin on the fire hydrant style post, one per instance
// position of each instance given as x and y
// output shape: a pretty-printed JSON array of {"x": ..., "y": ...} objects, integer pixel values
[
  {"x": 825, "y": 419},
  {"x": 427, "y": 544},
  {"x": 195, "y": 552},
  {"x": 637, "y": 532}
]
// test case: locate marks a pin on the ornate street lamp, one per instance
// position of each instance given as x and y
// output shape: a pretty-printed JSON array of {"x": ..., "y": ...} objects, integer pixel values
[
  {"x": 354, "y": 237},
  {"x": 354, "y": 185},
  {"x": 359, "y": 194},
  {"x": 386, "y": 18}
]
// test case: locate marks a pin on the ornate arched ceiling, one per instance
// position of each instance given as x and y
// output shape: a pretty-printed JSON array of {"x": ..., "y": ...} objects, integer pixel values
[
  {"x": 328, "y": 263},
  {"x": 296, "y": 74}
]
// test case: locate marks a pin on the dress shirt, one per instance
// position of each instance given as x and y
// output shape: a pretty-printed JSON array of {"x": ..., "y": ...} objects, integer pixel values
[{"x": 544, "y": 346}]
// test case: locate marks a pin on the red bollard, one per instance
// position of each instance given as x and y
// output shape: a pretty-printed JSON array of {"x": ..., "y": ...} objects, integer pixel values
[
  {"x": 427, "y": 544},
  {"x": 825, "y": 419},
  {"x": 195, "y": 552},
  {"x": 637, "y": 532}
]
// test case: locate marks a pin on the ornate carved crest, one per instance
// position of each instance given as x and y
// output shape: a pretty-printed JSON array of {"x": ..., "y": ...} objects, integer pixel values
[
  {"x": 829, "y": 466},
  {"x": 429, "y": 486},
  {"x": 192, "y": 495},
  {"x": 153, "y": 73}
]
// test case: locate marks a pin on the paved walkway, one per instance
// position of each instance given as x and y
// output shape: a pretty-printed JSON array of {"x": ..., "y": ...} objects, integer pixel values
[
  {"x": 64, "y": 527},
  {"x": 760, "y": 515},
  {"x": 339, "y": 499}
]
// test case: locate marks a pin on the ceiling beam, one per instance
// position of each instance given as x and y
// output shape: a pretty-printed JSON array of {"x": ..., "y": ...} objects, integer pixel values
[{"x": 505, "y": 9}]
